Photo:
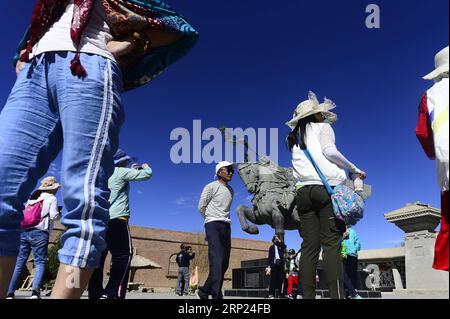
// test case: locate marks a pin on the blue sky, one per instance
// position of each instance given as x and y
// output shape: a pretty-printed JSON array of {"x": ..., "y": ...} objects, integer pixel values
[{"x": 254, "y": 62}]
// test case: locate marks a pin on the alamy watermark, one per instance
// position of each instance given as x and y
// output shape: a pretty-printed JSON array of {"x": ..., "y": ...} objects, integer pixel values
[
  {"x": 374, "y": 17},
  {"x": 73, "y": 278},
  {"x": 212, "y": 145}
]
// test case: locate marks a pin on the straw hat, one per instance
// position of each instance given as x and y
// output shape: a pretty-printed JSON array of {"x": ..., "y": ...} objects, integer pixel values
[
  {"x": 441, "y": 64},
  {"x": 312, "y": 106},
  {"x": 49, "y": 183}
]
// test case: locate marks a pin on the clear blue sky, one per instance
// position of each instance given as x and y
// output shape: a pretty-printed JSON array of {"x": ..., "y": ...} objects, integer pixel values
[{"x": 254, "y": 62}]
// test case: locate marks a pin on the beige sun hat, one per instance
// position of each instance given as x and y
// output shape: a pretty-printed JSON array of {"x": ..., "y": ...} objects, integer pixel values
[
  {"x": 441, "y": 64},
  {"x": 312, "y": 106},
  {"x": 49, "y": 183}
]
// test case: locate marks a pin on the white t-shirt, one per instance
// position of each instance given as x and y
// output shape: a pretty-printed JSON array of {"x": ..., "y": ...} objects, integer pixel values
[
  {"x": 304, "y": 171},
  {"x": 49, "y": 211},
  {"x": 93, "y": 40},
  {"x": 294, "y": 263},
  {"x": 438, "y": 105}
]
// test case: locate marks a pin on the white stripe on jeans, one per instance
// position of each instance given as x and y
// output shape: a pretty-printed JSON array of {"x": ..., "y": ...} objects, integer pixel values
[
  {"x": 98, "y": 162},
  {"x": 88, "y": 175},
  {"x": 129, "y": 262}
]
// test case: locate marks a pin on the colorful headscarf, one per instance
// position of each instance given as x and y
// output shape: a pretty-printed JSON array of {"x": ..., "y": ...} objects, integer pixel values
[
  {"x": 124, "y": 18},
  {"x": 46, "y": 13}
]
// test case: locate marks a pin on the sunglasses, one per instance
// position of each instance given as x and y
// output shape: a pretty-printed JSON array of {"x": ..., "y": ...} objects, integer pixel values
[{"x": 230, "y": 170}]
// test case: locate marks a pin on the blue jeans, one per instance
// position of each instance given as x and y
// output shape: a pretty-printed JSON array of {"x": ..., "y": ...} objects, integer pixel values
[
  {"x": 31, "y": 240},
  {"x": 50, "y": 109},
  {"x": 182, "y": 286}
]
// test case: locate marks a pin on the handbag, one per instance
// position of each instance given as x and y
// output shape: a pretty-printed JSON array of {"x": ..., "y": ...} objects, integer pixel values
[{"x": 348, "y": 206}]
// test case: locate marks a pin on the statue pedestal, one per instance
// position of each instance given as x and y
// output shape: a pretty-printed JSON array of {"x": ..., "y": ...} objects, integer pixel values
[
  {"x": 418, "y": 221},
  {"x": 419, "y": 255}
]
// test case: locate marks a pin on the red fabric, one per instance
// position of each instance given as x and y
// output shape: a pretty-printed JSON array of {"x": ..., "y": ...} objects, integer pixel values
[
  {"x": 291, "y": 281},
  {"x": 46, "y": 13},
  {"x": 424, "y": 132},
  {"x": 441, "y": 248}
]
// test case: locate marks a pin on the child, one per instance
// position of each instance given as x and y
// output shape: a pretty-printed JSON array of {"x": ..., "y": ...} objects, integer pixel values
[{"x": 291, "y": 267}]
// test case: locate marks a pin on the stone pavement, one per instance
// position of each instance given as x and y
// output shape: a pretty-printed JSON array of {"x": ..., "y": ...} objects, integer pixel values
[{"x": 140, "y": 295}]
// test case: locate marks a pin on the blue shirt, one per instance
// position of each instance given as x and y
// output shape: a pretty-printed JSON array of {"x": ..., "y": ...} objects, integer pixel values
[{"x": 352, "y": 243}]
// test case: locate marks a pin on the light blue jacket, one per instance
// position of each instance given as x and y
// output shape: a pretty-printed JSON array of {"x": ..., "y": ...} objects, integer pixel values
[
  {"x": 119, "y": 185},
  {"x": 352, "y": 243}
]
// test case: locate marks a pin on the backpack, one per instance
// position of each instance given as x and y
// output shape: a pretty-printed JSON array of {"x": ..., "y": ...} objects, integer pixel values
[{"x": 32, "y": 215}]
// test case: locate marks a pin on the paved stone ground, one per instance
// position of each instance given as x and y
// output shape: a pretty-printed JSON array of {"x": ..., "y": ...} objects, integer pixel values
[{"x": 138, "y": 295}]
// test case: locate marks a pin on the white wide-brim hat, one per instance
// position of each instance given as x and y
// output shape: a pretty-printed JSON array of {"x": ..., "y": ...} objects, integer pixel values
[
  {"x": 223, "y": 164},
  {"x": 49, "y": 183},
  {"x": 312, "y": 106},
  {"x": 441, "y": 64}
]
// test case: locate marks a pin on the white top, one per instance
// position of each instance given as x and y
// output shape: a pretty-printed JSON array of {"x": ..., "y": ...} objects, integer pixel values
[
  {"x": 49, "y": 211},
  {"x": 294, "y": 263},
  {"x": 93, "y": 39},
  {"x": 320, "y": 140},
  {"x": 215, "y": 202},
  {"x": 438, "y": 108}
]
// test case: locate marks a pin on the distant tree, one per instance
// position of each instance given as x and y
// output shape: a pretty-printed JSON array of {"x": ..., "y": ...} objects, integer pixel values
[
  {"x": 201, "y": 258},
  {"x": 51, "y": 268}
]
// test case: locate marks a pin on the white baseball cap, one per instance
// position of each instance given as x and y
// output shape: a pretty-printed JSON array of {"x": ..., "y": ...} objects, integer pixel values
[{"x": 223, "y": 164}]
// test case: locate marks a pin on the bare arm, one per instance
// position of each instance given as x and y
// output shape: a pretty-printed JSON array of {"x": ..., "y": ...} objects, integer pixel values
[
  {"x": 20, "y": 64},
  {"x": 155, "y": 38}
]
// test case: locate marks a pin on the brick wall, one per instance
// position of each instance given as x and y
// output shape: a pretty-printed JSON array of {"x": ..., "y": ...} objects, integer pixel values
[{"x": 159, "y": 244}]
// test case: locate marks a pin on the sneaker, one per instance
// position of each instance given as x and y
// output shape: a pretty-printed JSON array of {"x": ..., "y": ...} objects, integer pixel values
[
  {"x": 104, "y": 297},
  {"x": 356, "y": 297},
  {"x": 10, "y": 296},
  {"x": 289, "y": 296},
  {"x": 270, "y": 297},
  {"x": 35, "y": 295}
]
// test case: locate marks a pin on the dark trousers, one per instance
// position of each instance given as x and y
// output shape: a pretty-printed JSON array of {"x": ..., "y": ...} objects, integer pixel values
[
  {"x": 351, "y": 268},
  {"x": 218, "y": 235},
  {"x": 277, "y": 276},
  {"x": 118, "y": 241},
  {"x": 348, "y": 285},
  {"x": 319, "y": 229}
]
